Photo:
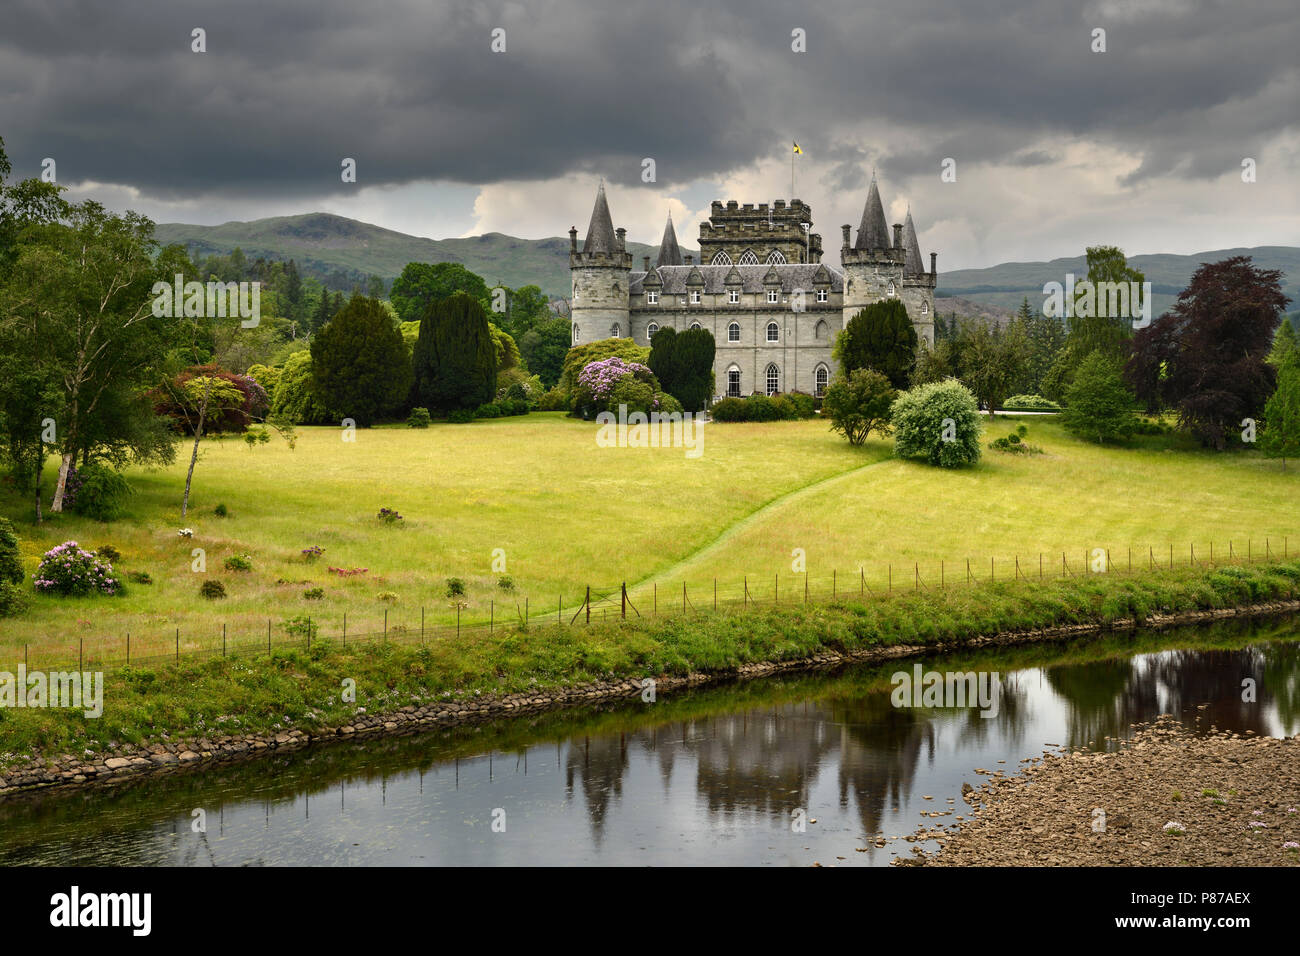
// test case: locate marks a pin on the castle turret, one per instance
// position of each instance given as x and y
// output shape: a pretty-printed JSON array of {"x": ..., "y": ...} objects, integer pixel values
[
  {"x": 873, "y": 266},
  {"x": 601, "y": 275},
  {"x": 918, "y": 285}
]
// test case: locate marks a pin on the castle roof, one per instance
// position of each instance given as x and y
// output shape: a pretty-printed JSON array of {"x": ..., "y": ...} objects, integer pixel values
[
  {"x": 669, "y": 252},
  {"x": 912, "y": 262},
  {"x": 801, "y": 275},
  {"x": 873, "y": 233},
  {"x": 600, "y": 232}
]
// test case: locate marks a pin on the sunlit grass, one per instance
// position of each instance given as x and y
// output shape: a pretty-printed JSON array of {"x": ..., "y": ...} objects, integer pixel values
[{"x": 567, "y": 513}]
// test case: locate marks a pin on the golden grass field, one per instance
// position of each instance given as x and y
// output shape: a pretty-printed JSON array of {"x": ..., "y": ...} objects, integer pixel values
[{"x": 567, "y": 513}]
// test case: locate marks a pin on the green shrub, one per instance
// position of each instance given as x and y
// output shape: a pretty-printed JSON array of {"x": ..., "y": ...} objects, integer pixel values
[
  {"x": 938, "y": 423},
  {"x": 300, "y": 625},
  {"x": 419, "y": 418},
  {"x": 314, "y": 594},
  {"x": 460, "y": 416},
  {"x": 212, "y": 589},
  {"x": 11, "y": 566},
  {"x": 666, "y": 404},
  {"x": 860, "y": 404},
  {"x": 1099, "y": 406},
  {"x": 785, "y": 409},
  {"x": 101, "y": 494},
  {"x": 239, "y": 562},
  {"x": 388, "y": 597},
  {"x": 140, "y": 577},
  {"x": 13, "y": 600},
  {"x": 1030, "y": 403},
  {"x": 488, "y": 410},
  {"x": 109, "y": 553},
  {"x": 455, "y": 587},
  {"x": 805, "y": 405},
  {"x": 728, "y": 410},
  {"x": 506, "y": 582},
  {"x": 221, "y": 511},
  {"x": 554, "y": 400},
  {"x": 760, "y": 408}
]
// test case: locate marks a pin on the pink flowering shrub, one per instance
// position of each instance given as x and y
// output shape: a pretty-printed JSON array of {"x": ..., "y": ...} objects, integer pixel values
[
  {"x": 69, "y": 570},
  {"x": 604, "y": 384}
]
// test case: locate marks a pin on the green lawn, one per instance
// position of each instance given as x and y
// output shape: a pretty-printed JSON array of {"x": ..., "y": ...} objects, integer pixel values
[{"x": 568, "y": 513}]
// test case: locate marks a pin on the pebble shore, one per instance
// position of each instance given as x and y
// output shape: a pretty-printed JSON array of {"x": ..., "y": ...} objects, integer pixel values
[{"x": 1168, "y": 797}]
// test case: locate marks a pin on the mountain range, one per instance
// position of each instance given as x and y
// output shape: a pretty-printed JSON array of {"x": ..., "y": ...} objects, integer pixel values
[{"x": 340, "y": 251}]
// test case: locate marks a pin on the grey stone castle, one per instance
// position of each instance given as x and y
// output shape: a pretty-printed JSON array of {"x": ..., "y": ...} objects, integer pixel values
[{"x": 761, "y": 288}]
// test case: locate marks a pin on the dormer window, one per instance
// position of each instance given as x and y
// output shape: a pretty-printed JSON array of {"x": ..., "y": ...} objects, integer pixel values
[
  {"x": 695, "y": 298},
  {"x": 733, "y": 296},
  {"x": 652, "y": 298},
  {"x": 823, "y": 295},
  {"x": 773, "y": 295}
]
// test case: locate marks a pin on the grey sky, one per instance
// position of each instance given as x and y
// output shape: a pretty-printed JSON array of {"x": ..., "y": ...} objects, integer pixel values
[{"x": 1056, "y": 146}]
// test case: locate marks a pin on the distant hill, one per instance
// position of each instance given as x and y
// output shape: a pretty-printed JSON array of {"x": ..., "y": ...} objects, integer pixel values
[
  {"x": 1008, "y": 284},
  {"x": 341, "y": 251}
]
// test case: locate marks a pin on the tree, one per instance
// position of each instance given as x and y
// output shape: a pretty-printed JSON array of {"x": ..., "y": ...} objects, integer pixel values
[
  {"x": 375, "y": 287},
  {"x": 422, "y": 284},
  {"x": 859, "y": 404},
  {"x": 694, "y": 385},
  {"x": 938, "y": 423},
  {"x": 1099, "y": 407},
  {"x": 543, "y": 348},
  {"x": 934, "y": 363},
  {"x": 1092, "y": 327},
  {"x": 1207, "y": 356},
  {"x": 1281, "y": 432},
  {"x": 455, "y": 357},
  {"x": 87, "y": 288},
  {"x": 505, "y": 349},
  {"x": 993, "y": 361},
  {"x": 1285, "y": 346},
  {"x": 296, "y": 399},
  {"x": 527, "y": 308},
  {"x": 360, "y": 363},
  {"x": 882, "y": 337}
]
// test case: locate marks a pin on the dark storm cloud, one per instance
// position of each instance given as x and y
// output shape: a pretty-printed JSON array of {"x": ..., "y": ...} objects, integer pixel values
[{"x": 412, "y": 91}]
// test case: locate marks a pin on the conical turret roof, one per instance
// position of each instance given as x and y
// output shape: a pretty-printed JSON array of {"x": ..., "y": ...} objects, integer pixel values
[
  {"x": 872, "y": 231},
  {"x": 600, "y": 232},
  {"x": 912, "y": 262},
  {"x": 670, "y": 254}
]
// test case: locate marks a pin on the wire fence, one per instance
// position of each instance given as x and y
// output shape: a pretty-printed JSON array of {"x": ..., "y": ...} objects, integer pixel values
[{"x": 619, "y": 602}]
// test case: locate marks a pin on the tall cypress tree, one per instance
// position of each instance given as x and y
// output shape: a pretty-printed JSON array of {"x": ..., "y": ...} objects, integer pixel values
[
  {"x": 454, "y": 359},
  {"x": 360, "y": 363}
]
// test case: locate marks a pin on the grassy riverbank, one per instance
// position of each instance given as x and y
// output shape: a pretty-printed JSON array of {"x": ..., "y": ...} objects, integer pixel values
[{"x": 301, "y": 689}]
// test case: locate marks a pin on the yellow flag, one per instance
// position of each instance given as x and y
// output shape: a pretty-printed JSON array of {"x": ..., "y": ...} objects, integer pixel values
[{"x": 797, "y": 149}]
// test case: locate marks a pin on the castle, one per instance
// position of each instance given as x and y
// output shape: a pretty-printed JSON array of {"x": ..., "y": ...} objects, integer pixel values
[{"x": 760, "y": 287}]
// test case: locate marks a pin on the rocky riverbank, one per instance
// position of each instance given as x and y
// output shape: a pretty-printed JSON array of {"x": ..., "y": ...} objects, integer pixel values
[
  {"x": 1168, "y": 797},
  {"x": 179, "y": 752}
]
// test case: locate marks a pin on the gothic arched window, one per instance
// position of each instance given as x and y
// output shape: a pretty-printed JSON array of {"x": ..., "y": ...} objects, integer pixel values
[
  {"x": 722, "y": 259},
  {"x": 651, "y": 329},
  {"x": 821, "y": 377},
  {"x": 747, "y": 258},
  {"x": 613, "y": 331},
  {"x": 820, "y": 331},
  {"x": 575, "y": 333},
  {"x": 775, "y": 257},
  {"x": 773, "y": 380}
]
